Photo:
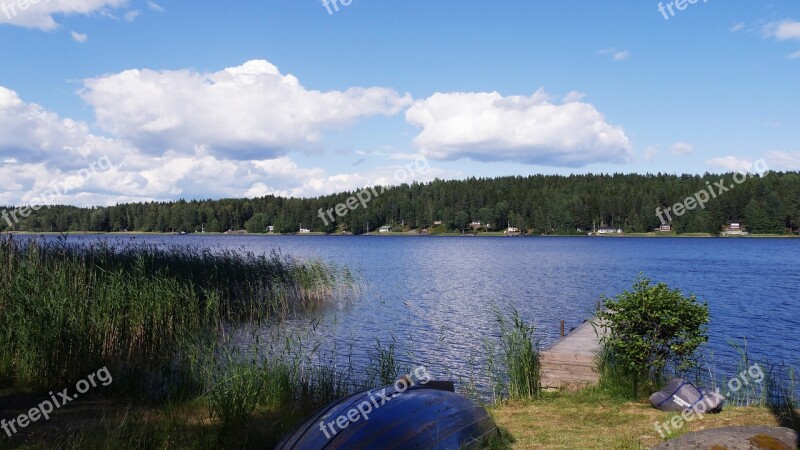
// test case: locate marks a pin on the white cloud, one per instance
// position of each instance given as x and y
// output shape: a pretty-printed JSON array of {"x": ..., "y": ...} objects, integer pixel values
[
  {"x": 28, "y": 132},
  {"x": 131, "y": 15},
  {"x": 783, "y": 31},
  {"x": 735, "y": 28},
  {"x": 155, "y": 6},
  {"x": 681, "y": 148},
  {"x": 39, "y": 150},
  {"x": 621, "y": 56},
  {"x": 730, "y": 163},
  {"x": 245, "y": 112},
  {"x": 783, "y": 161},
  {"x": 616, "y": 55},
  {"x": 574, "y": 96},
  {"x": 490, "y": 127},
  {"x": 26, "y": 13},
  {"x": 775, "y": 160},
  {"x": 79, "y": 37},
  {"x": 650, "y": 153},
  {"x": 794, "y": 55}
]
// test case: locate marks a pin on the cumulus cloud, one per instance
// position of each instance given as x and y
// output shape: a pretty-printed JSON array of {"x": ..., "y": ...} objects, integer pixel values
[
  {"x": 650, "y": 153},
  {"x": 784, "y": 161},
  {"x": 26, "y": 13},
  {"x": 730, "y": 163},
  {"x": 79, "y": 37},
  {"x": 783, "y": 31},
  {"x": 40, "y": 150},
  {"x": 532, "y": 130},
  {"x": 737, "y": 27},
  {"x": 243, "y": 112},
  {"x": 30, "y": 133},
  {"x": 681, "y": 148},
  {"x": 776, "y": 160}
]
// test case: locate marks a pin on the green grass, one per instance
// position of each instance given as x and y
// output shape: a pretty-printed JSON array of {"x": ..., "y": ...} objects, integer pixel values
[{"x": 598, "y": 419}]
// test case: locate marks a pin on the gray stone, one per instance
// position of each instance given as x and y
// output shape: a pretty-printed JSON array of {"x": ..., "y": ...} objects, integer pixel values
[{"x": 735, "y": 438}]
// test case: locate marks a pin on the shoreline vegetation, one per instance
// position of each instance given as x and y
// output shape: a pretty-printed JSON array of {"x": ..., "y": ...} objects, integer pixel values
[
  {"x": 536, "y": 205},
  {"x": 414, "y": 233},
  {"x": 195, "y": 342}
]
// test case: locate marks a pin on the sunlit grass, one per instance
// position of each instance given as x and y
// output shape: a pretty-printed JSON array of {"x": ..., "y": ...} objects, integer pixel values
[{"x": 595, "y": 419}]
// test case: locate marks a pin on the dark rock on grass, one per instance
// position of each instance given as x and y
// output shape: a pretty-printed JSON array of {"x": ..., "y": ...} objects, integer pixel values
[{"x": 735, "y": 438}]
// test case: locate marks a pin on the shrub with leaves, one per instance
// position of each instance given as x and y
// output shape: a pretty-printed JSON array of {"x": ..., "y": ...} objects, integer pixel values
[{"x": 651, "y": 329}]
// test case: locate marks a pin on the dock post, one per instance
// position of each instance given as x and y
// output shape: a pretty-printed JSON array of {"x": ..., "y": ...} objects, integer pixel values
[{"x": 562, "y": 329}]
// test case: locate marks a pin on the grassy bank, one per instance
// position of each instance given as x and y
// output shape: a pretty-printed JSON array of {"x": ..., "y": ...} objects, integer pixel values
[
  {"x": 594, "y": 419},
  {"x": 590, "y": 419}
]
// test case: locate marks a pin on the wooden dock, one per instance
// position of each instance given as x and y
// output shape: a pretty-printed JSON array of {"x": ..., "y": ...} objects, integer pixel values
[{"x": 570, "y": 362}]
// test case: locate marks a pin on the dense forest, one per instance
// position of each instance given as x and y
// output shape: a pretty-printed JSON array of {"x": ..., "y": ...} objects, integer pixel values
[{"x": 540, "y": 204}]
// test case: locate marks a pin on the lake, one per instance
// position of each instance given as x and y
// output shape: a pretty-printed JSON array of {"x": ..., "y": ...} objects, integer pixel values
[{"x": 434, "y": 295}]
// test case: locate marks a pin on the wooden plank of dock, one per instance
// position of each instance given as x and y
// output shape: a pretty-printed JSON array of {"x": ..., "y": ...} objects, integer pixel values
[{"x": 570, "y": 362}]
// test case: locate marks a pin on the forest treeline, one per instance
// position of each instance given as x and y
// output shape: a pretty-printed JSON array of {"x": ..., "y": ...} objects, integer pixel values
[{"x": 539, "y": 204}]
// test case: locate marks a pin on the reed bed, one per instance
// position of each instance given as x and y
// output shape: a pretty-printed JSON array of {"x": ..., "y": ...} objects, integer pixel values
[
  {"x": 140, "y": 310},
  {"x": 516, "y": 369}
]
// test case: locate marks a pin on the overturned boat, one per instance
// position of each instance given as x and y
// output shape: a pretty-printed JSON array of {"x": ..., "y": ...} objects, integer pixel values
[{"x": 423, "y": 416}]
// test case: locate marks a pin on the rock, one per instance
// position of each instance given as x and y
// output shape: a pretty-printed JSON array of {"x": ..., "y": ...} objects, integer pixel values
[{"x": 736, "y": 438}]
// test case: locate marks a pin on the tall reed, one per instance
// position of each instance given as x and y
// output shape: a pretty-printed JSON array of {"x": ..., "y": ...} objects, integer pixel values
[
  {"x": 520, "y": 355},
  {"x": 67, "y": 309}
]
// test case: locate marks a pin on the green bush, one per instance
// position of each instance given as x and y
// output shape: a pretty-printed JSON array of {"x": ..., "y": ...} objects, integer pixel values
[{"x": 650, "y": 330}]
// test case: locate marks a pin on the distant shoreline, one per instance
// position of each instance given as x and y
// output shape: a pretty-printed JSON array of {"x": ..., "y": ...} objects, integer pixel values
[{"x": 411, "y": 234}]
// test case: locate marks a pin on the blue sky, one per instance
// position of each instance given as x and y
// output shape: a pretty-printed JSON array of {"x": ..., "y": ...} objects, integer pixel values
[{"x": 208, "y": 100}]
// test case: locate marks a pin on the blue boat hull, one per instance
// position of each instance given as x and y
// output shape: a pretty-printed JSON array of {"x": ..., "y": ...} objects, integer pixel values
[{"x": 428, "y": 416}]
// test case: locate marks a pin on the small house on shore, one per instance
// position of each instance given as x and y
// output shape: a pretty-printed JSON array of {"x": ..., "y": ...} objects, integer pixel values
[
  {"x": 385, "y": 229},
  {"x": 734, "y": 229}
]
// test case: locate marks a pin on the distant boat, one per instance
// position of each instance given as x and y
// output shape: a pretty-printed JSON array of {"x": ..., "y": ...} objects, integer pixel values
[
  {"x": 182, "y": 233},
  {"x": 423, "y": 416}
]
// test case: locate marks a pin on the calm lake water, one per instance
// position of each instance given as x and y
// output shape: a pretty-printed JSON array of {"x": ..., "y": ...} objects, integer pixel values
[{"x": 434, "y": 295}]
